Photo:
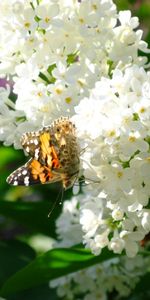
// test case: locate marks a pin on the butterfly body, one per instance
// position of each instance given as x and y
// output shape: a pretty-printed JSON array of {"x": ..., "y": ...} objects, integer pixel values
[{"x": 55, "y": 156}]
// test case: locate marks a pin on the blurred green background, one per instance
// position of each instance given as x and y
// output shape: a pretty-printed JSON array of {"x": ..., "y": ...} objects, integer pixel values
[{"x": 25, "y": 229}]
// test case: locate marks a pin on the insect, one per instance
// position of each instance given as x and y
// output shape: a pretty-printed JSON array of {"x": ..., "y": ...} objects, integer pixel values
[{"x": 54, "y": 155}]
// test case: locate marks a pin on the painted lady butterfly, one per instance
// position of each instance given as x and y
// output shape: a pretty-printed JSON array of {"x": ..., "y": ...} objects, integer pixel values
[{"x": 55, "y": 156}]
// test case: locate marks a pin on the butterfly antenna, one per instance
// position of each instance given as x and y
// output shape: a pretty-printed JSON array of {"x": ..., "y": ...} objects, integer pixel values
[
  {"x": 82, "y": 181},
  {"x": 59, "y": 196},
  {"x": 83, "y": 150},
  {"x": 91, "y": 180}
]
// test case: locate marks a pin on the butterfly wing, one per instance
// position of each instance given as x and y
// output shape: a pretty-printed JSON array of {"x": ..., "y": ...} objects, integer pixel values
[
  {"x": 33, "y": 172},
  {"x": 41, "y": 168},
  {"x": 37, "y": 144},
  {"x": 31, "y": 143},
  {"x": 55, "y": 156},
  {"x": 42, "y": 146}
]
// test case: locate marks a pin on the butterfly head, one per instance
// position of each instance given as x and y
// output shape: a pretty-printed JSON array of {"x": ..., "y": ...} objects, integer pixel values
[{"x": 63, "y": 129}]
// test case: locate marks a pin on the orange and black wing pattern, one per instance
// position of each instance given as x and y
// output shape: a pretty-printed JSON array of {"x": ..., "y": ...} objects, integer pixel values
[
  {"x": 54, "y": 156},
  {"x": 39, "y": 169},
  {"x": 33, "y": 172}
]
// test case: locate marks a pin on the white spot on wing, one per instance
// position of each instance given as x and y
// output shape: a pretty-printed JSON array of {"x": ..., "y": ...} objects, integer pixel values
[
  {"x": 37, "y": 153},
  {"x": 35, "y": 142},
  {"x": 24, "y": 172},
  {"x": 63, "y": 141},
  {"x": 27, "y": 149},
  {"x": 26, "y": 180},
  {"x": 15, "y": 182}
]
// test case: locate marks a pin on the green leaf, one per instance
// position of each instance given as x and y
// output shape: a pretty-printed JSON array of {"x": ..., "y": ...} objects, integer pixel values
[
  {"x": 72, "y": 58},
  {"x": 51, "y": 68},
  {"x": 32, "y": 215},
  {"x": 14, "y": 255},
  {"x": 44, "y": 77},
  {"x": 51, "y": 265}
]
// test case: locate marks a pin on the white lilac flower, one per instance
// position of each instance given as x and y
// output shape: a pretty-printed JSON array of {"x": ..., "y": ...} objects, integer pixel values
[
  {"x": 66, "y": 46},
  {"x": 120, "y": 274},
  {"x": 69, "y": 220},
  {"x": 116, "y": 156},
  {"x": 127, "y": 41},
  {"x": 9, "y": 119},
  {"x": 46, "y": 14}
]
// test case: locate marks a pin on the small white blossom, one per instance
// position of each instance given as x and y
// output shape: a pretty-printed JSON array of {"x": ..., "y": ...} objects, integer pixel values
[
  {"x": 146, "y": 220},
  {"x": 117, "y": 214},
  {"x": 117, "y": 245}
]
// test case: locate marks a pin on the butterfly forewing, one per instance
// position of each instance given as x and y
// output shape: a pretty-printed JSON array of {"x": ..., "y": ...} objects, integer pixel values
[{"x": 31, "y": 143}]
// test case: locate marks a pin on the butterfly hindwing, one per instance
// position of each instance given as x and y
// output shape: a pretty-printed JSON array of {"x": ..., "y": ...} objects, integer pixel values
[{"x": 33, "y": 172}]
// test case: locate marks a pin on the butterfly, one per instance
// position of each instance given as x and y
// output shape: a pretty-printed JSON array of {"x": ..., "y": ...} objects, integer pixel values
[{"x": 54, "y": 155}]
